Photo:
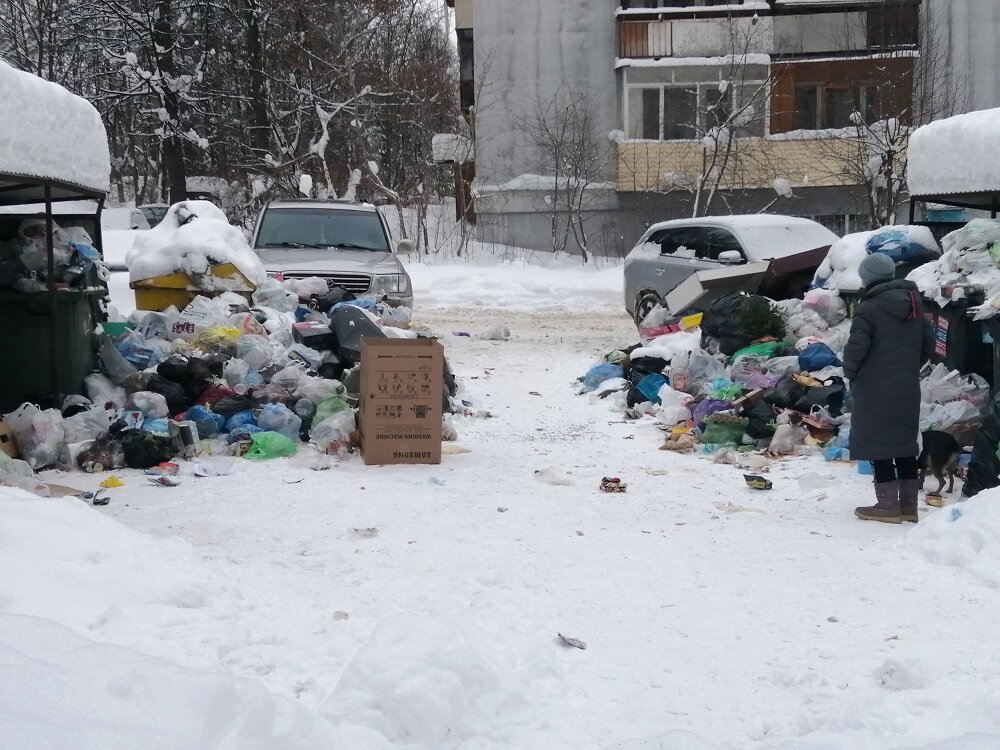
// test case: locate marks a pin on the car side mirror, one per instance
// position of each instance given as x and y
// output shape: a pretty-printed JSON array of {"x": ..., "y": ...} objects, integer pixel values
[
  {"x": 406, "y": 247},
  {"x": 731, "y": 258}
]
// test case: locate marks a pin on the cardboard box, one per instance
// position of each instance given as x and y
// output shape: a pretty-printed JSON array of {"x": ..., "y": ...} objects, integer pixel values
[
  {"x": 402, "y": 383},
  {"x": 7, "y": 444},
  {"x": 701, "y": 289}
]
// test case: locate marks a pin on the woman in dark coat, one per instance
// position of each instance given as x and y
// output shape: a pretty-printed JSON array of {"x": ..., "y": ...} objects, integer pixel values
[{"x": 889, "y": 343}]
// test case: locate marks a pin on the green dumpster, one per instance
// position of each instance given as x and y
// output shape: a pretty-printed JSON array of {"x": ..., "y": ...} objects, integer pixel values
[{"x": 26, "y": 330}]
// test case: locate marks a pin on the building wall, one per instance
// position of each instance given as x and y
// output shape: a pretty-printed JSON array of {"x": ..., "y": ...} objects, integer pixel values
[
  {"x": 464, "y": 17},
  {"x": 969, "y": 31},
  {"x": 528, "y": 52}
]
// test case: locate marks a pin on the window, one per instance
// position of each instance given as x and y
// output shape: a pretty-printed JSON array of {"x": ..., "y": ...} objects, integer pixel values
[
  {"x": 684, "y": 112},
  {"x": 819, "y": 106},
  {"x": 838, "y": 105},
  {"x": 677, "y": 3},
  {"x": 680, "y": 113},
  {"x": 679, "y": 241},
  {"x": 891, "y": 27},
  {"x": 717, "y": 241},
  {"x": 323, "y": 228},
  {"x": 807, "y": 107}
]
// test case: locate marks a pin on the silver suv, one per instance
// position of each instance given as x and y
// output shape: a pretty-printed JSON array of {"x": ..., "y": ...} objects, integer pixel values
[
  {"x": 671, "y": 251},
  {"x": 346, "y": 243}
]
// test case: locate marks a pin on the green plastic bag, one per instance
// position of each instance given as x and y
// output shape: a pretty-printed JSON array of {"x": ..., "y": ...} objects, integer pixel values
[
  {"x": 724, "y": 433},
  {"x": 763, "y": 350},
  {"x": 331, "y": 406},
  {"x": 266, "y": 445}
]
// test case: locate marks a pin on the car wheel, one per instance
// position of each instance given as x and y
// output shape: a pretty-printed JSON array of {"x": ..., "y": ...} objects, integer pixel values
[{"x": 644, "y": 304}]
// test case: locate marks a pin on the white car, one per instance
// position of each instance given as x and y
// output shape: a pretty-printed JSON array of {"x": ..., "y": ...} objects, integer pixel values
[
  {"x": 344, "y": 242},
  {"x": 119, "y": 228},
  {"x": 671, "y": 251}
]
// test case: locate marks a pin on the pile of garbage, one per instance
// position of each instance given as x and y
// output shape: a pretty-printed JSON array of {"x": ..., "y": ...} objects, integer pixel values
[
  {"x": 969, "y": 268},
  {"x": 757, "y": 376},
  {"x": 24, "y": 260},
  {"x": 905, "y": 245},
  {"x": 223, "y": 376}
]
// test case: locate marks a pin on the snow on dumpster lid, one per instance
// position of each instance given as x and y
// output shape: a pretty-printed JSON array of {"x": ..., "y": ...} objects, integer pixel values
[
  {"x": 957, "y": 155},
  {"x": 48, "y": 133}
]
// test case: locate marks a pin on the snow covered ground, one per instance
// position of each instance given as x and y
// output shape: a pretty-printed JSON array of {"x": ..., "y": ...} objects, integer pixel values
[{"x": 418, "y": 607}]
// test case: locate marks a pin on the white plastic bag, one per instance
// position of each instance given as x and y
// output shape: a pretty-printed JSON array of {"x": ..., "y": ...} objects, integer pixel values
[
  {"x": 787, "y": 438},
  {"x": 254, "y": 350},
  {"x": 675, "y": 406},
  {"x": 272, "y": 294},
  {"x": 943, "y": 385},
  {"x": 87, "y": 425},
  {"x": 39, "y": 434},
  {"x": 319, "y": 390},
  {"x": 827, "y": 304},
  {"x": 234, "y": 371},
  {"x": 152, "y": 405},
  {"x": 290, "y": 379},
  {"x": 336, "y": 434},
  {"x": 103, "y": 392}
]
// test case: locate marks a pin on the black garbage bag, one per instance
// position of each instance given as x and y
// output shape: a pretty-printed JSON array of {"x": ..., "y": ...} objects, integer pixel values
[
  {"x": 984, "y": 468},
  {"x": 104, "y": 454},
  {"x": 761, "y": 416},
  {"x": 737, "y": 320},
  {"x": 216, "y": 364},
  {"x": 786, "y": 393},
  {"x": 230, "y": 405},
  {"x": 173, "y": 368},
  {"x": 647, "y": 366},
  {"x": 143, "y": 450},
  {"x": 177, "y": 399},
  {"x": 335, "y": 295},
  {"x": 350, "y": 324},
  {"x": 830, "y": 395},
  {"x": 196, "y": 377}
]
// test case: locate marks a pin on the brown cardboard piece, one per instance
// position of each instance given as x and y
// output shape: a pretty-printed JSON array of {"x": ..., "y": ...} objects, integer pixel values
[
  {"x": 7, "y": 444},
  {"x": 700, "y": 289},
  {"x": 399, "y": 421}
]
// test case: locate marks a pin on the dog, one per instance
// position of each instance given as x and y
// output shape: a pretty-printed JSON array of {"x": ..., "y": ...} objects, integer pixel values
[{"x": 939, "y": 458}]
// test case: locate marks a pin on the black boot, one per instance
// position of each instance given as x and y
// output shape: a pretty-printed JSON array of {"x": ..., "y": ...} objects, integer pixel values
[
  {"x": 909, "y": 490},
  {"x": 886, "y": 508}
]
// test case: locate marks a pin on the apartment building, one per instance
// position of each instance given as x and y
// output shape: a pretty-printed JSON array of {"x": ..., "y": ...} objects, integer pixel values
[{"x": 707, "y": 106}]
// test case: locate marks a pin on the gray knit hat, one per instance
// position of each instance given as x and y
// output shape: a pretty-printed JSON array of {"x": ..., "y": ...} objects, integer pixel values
[{"x": 876, "y": 268}]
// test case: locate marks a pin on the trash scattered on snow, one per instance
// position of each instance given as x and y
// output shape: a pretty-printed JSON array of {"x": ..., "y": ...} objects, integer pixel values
[
  {"x": 497, "y": 333},
  {"x": 572, "y": 642},
  {"x": 613, "y": 484},
  {"x": 755, "y": 482}
]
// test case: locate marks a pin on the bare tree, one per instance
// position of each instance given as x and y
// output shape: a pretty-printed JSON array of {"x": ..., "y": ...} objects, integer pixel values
[{"x": 572, "y": 158}]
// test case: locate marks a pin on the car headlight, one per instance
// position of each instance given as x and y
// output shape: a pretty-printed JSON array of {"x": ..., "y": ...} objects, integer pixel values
[{"x": 393, "y": 283}]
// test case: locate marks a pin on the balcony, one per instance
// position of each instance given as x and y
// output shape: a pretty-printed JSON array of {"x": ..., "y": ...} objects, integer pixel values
[
  {"x": 693, "y": 37},
  {"x": 756, "y": 162}
]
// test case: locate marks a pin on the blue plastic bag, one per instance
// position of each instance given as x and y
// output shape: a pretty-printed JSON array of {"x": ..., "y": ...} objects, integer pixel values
[
  {"x": 243, "y": 433},
  {"x": 897, "y": 245},
  {"x": 208, "y": 422},
  {"x": 816, "y": 357},
  {"x": 599, "y": 373},
  {"x": 239, "y": 419},
  {"x": 650, "y": 386},
  {"x": 279, "y": 418}
]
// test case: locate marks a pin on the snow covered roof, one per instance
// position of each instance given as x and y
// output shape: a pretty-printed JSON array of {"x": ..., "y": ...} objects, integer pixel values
[
  {"x": 49, "y": 134},
  {"x": 958, "y": 155}
]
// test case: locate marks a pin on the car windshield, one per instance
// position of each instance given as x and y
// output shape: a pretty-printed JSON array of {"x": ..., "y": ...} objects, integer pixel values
[
  {"x": 322, "y": 227},
  {"x": 154, "y": 214}
]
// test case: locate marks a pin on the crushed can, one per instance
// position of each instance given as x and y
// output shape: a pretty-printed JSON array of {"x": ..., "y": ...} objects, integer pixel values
[
  {"x": 185, "y": 437},
  {"x": 757, "y": 482}
]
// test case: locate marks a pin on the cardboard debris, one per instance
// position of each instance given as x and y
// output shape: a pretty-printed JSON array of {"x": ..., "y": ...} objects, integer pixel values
[{"x": 402, "y": 385}]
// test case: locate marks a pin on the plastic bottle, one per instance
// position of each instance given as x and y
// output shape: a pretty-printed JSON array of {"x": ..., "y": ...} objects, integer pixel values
[{"x": 708, "y": 448}]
